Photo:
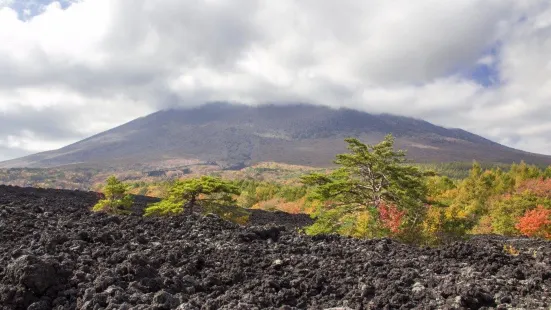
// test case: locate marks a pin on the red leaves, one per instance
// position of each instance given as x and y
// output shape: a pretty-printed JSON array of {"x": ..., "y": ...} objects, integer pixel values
[
  {"x": 535, "y": 223},
  {"x": 391, "y": 217},
  {"x": 540, "y": 187}
]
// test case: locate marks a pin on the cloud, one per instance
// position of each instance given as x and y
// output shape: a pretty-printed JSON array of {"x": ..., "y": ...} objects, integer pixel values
[
  {"x": 74, "y": 68},
  {"x": 6, "y": 3}
]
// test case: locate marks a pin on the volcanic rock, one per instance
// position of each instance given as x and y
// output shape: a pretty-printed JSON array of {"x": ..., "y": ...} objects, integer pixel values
[{"x": 56, "y": 254}]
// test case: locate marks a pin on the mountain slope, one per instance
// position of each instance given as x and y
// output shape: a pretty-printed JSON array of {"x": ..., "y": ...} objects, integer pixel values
[{"x": 238, "y": 135}]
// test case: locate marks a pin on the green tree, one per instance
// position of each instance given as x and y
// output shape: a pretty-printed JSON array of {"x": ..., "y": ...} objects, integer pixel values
[
  {"x": 505, "y": 212},
  {"x": 370, "y": 176},
  {"x": 523, "y": 171},
  {"x": 117, "y": 200},
  {"x": 437, "y": 186},
  {"x": 212, "y": 194}
]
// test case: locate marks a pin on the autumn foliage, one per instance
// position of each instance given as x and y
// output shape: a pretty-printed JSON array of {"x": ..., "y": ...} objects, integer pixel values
[
  {"x": 536, "y": 223},
  {"x": 376, "y": 193},
  {"x": 391, "y": 217},
  {"x": 540, "y": 187}
]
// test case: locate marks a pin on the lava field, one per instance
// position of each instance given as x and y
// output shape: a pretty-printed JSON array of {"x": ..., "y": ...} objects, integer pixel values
[{"x": 56, "y": 254}]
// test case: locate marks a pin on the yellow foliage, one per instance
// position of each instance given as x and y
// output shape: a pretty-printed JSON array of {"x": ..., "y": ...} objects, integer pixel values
[
  {"x": 484, "y": 226},
  {"x": 433, "y": 221},
  {"x": 511, "y": 250},
  {"x": 455, "y": 211},
  {"x": 291, "y": 207},
  {"x": 241, "y": 220},
  {"x": 362, "y": 229},
  {"x": 268, "y": 205},
  {"x": 310, "y": 207}
]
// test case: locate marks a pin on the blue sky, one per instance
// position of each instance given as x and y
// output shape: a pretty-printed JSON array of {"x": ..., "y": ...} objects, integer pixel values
[
  {"x": 486, "y": 74},
  {"x": 83, "y": 67},
  {"x": 29, "y": 8}
]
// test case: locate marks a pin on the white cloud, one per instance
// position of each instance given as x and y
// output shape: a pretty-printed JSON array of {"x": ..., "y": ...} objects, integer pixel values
[
  {"x": 29, "y": 141},
  {"x": 5, "y": 3},
  {"x": 99, "y": 63}
]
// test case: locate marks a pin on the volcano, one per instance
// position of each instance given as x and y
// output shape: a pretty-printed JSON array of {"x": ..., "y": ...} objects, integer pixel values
[{"x": 235, "y": 136}]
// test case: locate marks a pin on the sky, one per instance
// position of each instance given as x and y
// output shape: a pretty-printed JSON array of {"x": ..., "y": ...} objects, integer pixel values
[{"x": 71, "y": 69}]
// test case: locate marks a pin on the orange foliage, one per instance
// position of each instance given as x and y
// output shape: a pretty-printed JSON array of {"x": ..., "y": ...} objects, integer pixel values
[
  {"x": 535, "y": 223},
  {"x": 281, "y": 205},
  {"x": 266, "y": 205},
  {"x": 290, "y": 207},
  {"x": 541, "y": 187},
  {"x": 391, "y": 217}
]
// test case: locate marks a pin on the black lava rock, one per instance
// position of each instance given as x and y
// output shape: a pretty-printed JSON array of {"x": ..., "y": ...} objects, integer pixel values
[{"x": 56, "y": 254}]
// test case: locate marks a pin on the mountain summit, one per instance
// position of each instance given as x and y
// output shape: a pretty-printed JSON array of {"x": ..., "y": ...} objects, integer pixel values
[{"x": 235, "y": 136}]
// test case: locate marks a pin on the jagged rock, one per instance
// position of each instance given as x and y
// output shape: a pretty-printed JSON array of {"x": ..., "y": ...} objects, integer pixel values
[
  {"x": 193, "y": 262},
  {"x": 33, "y": 273}
]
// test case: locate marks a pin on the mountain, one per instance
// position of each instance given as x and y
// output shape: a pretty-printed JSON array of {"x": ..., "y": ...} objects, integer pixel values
[{"x": 234, "y": 136}]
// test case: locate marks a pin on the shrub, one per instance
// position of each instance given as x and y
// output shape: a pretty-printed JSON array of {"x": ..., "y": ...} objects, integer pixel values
[
  {"x": 510, "y": 249},
  {"x": 391, "y": 217},
  {"x": 116, "y": 200},
  {"x": 210, "y": 194},
  {"x": 536, "y": 223}
]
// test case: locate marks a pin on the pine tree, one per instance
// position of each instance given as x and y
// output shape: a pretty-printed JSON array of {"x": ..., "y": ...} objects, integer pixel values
[
  {"x": 371, "y": 176},
  {"x": 207, "y": 192},
  {"x": 116, "y": 200}
]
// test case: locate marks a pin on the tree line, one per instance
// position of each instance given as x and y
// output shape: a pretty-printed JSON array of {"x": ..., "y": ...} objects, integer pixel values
[{"x": 374, "y": 192}]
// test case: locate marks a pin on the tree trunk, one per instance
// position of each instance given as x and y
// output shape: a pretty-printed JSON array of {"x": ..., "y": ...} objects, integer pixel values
[
  {"x": 192, "y": 204},
  {"x": 188, "y": 206}
]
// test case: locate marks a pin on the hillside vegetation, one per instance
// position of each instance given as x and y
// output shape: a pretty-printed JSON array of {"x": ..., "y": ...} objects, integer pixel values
[
  {"x": 456, "y": 199},
  {"x": 376, "y": 193}
]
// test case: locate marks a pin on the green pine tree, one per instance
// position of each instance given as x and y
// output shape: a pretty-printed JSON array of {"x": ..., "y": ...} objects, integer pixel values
[
  {"x": 116, "y": 200},
  {"x": 210, "y": 193},
  {"x": 370, "y": 176}
]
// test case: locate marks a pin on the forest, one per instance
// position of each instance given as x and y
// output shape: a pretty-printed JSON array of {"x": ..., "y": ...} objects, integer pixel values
[{"x": 374, "y": 193}]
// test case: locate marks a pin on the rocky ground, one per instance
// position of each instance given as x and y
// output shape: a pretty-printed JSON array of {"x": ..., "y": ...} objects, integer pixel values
[{"x": 55, "y": 254}]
